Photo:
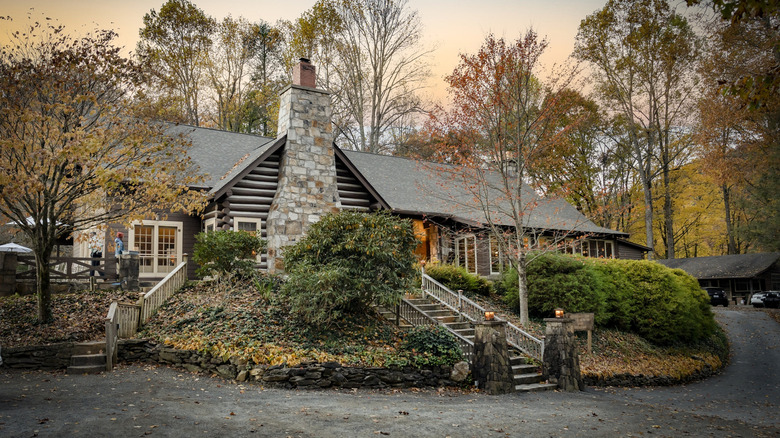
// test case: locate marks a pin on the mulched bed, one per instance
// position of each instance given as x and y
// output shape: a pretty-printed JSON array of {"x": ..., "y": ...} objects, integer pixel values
[{"x": 77, "y": 317}]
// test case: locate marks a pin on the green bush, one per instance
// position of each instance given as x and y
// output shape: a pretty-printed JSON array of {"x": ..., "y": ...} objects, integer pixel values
[
  {"x": 432, "y": 345},
  {"x": 556, "y": 280},
  {"x": 664, "y": 306},
  {"x": 225, "y": 253},
  {"x": 347, "y": 261},
  {"x": 455, "y": 277}
]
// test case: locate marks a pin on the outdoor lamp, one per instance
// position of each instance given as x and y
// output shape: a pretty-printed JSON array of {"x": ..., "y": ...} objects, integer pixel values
[
  {"x": 489, "y": 315},
  {"x": 559, "y": 313}
]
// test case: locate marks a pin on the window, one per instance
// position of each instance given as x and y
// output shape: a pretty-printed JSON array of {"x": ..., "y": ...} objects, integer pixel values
[
  {"x": 496, "y": 257},
  {"x": 247, "y": 224},
  {"x": 466, "y": 250},
  {"x": 598, "y": 248},
  {"x": 210, "y": 225},
  {"x": 158, "y": 244}
]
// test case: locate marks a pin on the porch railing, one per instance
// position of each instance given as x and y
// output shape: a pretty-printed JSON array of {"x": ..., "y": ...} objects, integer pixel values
[{"x": 472, "y": 311}]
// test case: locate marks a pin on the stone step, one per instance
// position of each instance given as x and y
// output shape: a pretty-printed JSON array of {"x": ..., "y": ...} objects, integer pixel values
[
  {"x": 93, "y": 347},
  {"x": 439, "y": 312},
  {"x": 524, "y": 369},
  {"x": 460, "y": 325},
  {"x": 536, "y": 387},
  {"x": 88, "y": 359},
  {"x": 465, "y": 332},
  {"x": 431, "y": 308},
  {"x": 445, "y": 319},
  {"x": 518, "y": 360},
  {"x": 86, "y": 369},
  {"x": 524, "y": 379}
]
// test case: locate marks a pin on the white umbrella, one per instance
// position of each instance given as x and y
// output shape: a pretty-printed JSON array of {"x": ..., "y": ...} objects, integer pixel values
[{"x": 12, "y": 247}]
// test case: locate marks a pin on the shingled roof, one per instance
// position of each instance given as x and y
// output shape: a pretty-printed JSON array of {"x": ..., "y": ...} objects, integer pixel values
[
  {"x": 416, "y": 187},
  {"x": 217, "y": 152},
  {"x": 727, "y": 266}
]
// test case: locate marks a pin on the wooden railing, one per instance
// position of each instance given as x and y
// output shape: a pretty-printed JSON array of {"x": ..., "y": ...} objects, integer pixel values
[
  {"x": 112, "y": 334},
  {"x": 417, "y": 317},
  {"x": 163, "y": 290},
  {"x": 128, "y": 316},
  {"x": 472, "y": 311},
  {"x": 69, "y": 268}
]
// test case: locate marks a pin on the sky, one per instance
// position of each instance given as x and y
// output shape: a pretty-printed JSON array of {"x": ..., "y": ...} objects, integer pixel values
[{"x": 450, "y": 27}]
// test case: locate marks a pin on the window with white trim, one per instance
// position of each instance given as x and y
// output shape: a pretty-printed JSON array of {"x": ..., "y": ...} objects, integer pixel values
[
  {"x": 496, "y": 256},
  {"x": 210, "y": 225},
  {"x": 466, "y": 250},
  {"x": 158, "y": 244},
  {"x": 250, "y": 225}
]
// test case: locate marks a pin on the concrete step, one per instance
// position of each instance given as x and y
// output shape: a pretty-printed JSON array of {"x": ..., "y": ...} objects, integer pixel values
[
  {"x": 460, "y": 325},
  {"x": 535, "y": 387},
  {"x": 86, "y": 369},
  {"x": 524, "y": 379},
  {"x": 517, "y": 360},
  {"x": 93, "y": 347},
  {"x": 435, "y": 313},
  {"x": 88, "y": 359}
]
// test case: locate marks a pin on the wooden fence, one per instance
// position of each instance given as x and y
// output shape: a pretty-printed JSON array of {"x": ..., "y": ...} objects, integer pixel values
[{"x": 69, "y": 268}]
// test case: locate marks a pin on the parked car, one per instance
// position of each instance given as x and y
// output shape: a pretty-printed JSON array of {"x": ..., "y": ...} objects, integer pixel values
[
  {"x": 772, "y": 299},
  {"x": 717, "y": 296},
  {"x": 757, "y": 300}
]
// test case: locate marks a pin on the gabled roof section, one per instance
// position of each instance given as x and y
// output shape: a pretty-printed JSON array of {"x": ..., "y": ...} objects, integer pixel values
[
  {"x": 360, "y": 177},
  {"x": 245, "y": 165},
  {"x": 216, "y": 152},
  {"x": 727, "y": 266},
  {"x": 425, "y": 188}
]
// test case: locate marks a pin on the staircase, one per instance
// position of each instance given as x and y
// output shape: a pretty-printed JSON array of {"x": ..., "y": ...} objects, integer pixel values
[
  {"x": 88, "y": 358},
  {"x": 527, "y": 376}
]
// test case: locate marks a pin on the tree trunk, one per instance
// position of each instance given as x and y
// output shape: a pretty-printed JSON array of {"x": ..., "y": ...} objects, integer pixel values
[
  {"x": 522, "y": 289},
  {"x": 732, "y": 249},
  {"x": 649, "y": 217},
  {"x": 668, "y": 211},
  {"x": 43, "y": 290}
]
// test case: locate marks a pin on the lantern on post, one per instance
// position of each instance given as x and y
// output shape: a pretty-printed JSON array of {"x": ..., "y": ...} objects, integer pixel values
[{"x": 559, "y": 313}]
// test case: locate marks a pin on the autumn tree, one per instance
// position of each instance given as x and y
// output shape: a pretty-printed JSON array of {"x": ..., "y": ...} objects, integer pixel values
[
  {"x": 643, "y": 55},
  {"x": 71, "y": 151},
  {"x": 173, "y": 45},
  {"x": 507, "y": 117}
]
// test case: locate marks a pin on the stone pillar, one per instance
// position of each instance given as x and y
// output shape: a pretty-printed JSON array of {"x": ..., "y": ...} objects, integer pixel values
[
  {"x": 561, "y": 361},
  {"x": 491, "y": 368},
  {"x": 128, "y": 270},
  {"x": 8, "y": 263},
  {"x": 307, "y": 172}
]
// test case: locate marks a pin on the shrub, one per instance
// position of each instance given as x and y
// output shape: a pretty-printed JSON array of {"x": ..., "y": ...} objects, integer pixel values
[
  {"x": 664, "y": 306},
  {"x": 455, "y": 277},
  {"x": 432, "y": 345},
  {"x": 556, "y": 280},
  {"x": 224, "y": 253},
  {"x": 347, "y": 261}
]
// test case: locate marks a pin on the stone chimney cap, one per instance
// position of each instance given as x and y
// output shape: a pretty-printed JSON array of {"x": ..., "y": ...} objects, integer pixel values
[{"x": 304, "y": 74}]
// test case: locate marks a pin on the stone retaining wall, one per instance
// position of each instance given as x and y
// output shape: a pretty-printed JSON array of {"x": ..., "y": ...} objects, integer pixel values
[
  {"x": 47, "y": 357},
  {"x": 315, "y": 375}
]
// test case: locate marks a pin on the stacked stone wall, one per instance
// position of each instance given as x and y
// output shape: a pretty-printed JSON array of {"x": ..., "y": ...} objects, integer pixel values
[{"x": 305, "y": 375}]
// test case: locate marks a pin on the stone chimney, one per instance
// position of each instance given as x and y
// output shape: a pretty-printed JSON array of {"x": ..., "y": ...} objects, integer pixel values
[{"x": 307, "y": 171}]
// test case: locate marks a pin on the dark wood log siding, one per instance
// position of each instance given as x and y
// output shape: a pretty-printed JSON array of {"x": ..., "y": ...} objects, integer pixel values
[
  {"x": 353, "y": 195},
  {"x": 249, "y": 198},
  {"x": 628, "y": 252},
  {"x": 483, "y": 254}
]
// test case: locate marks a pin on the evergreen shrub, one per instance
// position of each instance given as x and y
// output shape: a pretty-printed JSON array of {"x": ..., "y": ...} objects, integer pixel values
[{"x": 456, "y": 277}]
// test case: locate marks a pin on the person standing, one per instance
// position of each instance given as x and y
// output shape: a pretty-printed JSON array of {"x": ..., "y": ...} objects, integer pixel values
[
  {"x": 119, "y": 246},
  {"x": 96, "y": 252}
]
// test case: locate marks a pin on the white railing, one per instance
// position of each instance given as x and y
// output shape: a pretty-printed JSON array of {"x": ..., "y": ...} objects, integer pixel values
[
  {"x": 163, "y": 290},
  {"x": 472, "y": 311},
  {"x": 112, "y": 328}
]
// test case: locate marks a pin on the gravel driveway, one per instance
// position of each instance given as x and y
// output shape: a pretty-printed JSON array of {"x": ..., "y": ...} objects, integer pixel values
[{"x": 151, "y": 401}]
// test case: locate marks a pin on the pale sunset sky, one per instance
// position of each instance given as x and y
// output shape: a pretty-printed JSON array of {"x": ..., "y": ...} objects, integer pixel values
[{"x": 450, "y": 26}]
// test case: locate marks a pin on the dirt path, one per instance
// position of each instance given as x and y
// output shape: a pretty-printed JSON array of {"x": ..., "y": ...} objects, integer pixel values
[{"x": 151, "y": 401}]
